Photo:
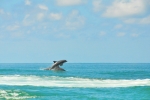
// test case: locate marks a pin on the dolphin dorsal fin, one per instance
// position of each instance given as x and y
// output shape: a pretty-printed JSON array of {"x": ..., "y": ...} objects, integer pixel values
[{"x": 54, "y": 61}]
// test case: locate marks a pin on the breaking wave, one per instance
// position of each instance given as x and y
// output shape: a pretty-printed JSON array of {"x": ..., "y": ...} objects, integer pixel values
[
  {"x": 55, "y": 81},
  {"x": 14, "y": 95}
]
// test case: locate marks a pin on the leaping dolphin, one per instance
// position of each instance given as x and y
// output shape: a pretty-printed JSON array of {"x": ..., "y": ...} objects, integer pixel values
[{"x": 56, "y": 64}]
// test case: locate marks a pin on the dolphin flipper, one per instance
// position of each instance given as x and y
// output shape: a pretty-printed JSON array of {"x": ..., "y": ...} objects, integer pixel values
[{"x": 61, "y": 64}]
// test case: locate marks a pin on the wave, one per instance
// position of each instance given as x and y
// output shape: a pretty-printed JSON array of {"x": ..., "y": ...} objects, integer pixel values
[
  {"x": 55, "y": 81},
  {"x": 14, "y": 95}
]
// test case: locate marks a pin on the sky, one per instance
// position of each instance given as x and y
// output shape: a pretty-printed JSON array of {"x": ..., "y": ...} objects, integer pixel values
[{"x": 80, "y": 31}]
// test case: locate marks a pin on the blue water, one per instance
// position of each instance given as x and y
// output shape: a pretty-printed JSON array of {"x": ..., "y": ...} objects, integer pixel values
[{"x": 80, "y": 81}]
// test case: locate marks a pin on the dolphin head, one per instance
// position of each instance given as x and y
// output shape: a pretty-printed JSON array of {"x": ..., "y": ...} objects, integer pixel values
[{"x": 65, "y": 60}]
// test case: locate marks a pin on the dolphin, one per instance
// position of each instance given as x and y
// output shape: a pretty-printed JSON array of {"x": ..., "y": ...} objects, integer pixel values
[{"x": 56, "y": 65}]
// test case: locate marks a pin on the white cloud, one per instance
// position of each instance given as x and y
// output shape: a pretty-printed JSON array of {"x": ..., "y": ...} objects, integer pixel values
[
  {"x": 69, "y": 2},
  {"x": 40, "y": 16},
  {"x": 43, "y": 7},
  {"x": 145, "y": 20},
  {"x": 74, "y": 20},
  {"x": 122, "y": 8},
  {"x": 55, "y": 16},
  {"x": 97, "y": 5},
  {"x": 121, "y": 34},
  {"x": 27, "y": 2}
]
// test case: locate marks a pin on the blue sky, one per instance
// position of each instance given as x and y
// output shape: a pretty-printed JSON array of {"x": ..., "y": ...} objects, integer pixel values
[{"x": 84, "y": 31}]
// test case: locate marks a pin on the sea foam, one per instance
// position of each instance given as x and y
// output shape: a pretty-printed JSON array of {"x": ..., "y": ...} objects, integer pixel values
[
  {"x": 56, "y": 81},
  {"x": 14, "y": 95}
]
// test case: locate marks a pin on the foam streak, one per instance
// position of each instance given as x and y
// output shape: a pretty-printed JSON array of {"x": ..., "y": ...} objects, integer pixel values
[{"x": 54, "y": 81}]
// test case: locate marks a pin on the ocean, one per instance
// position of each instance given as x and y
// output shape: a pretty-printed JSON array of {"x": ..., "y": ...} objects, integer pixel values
[{"x": 80, "y": 81}]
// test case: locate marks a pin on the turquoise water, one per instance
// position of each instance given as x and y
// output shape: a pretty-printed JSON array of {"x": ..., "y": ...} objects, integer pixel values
[{"x": 80, "y": 81}]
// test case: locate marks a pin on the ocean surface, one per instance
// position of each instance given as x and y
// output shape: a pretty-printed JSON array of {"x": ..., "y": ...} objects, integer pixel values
[{"x": 80, "y": 81}]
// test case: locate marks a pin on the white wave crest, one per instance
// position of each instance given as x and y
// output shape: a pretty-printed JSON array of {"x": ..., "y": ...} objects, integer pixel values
[
  {"x": 14, "y": 95},
  {"x": 54, "y": 81}
]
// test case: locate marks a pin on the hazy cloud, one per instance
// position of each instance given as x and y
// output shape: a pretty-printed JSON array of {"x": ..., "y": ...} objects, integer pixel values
[
  {"x": 1, "y": 11},
  {"x": 134, "y": 35},
  {"x": 74, "y": 20},
  {"x": 121, "y": 34},
  {"x": 69, "y": 2},
  {"x": 4, "y": 14},
  {"x": 97, "y": 5},
  {"x": 55, "y": 16},
  {"x": 27, "y": 2},
  {"x": 62, "y": 35},
  {"x": 40, "y": 16},
  {"x": 12, "y": 27},
  {"x": 118, "y": 26},
  {"x": 43, "y": 7},
  {"x": 145, "y": 20},
  {"x": 26, "y": 20},
  {"x": 17, "y": 35},
  {"x": 102, "y": 33},
  {"x": 1, "y": 36}
]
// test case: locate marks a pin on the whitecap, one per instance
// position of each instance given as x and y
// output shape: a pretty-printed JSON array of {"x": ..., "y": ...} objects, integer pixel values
[
  {"x": 14, "y": 95},
  {"x": 55, "y": 81}
]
